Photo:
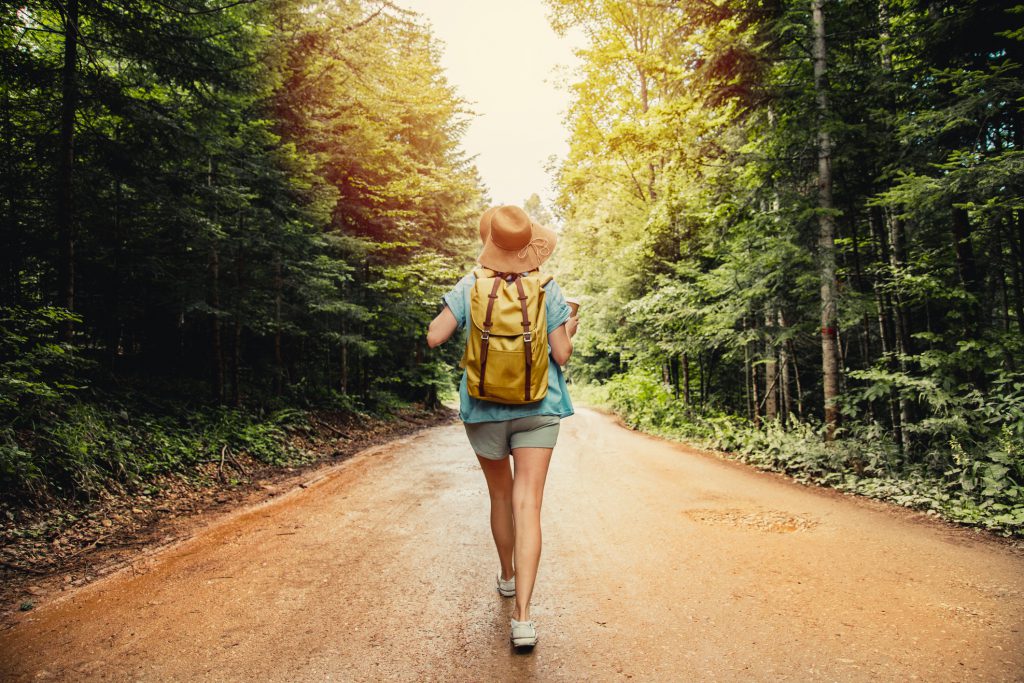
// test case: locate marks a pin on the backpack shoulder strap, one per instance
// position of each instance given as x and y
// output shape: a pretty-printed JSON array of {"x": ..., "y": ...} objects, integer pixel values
[
  {"x": 485, "y": 337},
  {"x": 527, "y": 337}
]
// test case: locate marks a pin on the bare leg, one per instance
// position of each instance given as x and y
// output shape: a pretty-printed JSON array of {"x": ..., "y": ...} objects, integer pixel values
[
  {"x": 527, "y": 496},
  {"x": 499, "y": 485}
]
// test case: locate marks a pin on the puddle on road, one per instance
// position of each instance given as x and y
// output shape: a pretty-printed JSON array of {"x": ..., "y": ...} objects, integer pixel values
[{"x": 769, "y": 521}]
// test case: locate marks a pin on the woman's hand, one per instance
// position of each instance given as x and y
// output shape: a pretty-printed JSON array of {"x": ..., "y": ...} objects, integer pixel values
[{"x": 571, "y": 325}]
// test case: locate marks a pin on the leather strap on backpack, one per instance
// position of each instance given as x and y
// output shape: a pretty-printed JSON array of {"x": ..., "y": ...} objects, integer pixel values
[
  {"x": 486, "y": 336},
  {"x": 527, "y": 335}
]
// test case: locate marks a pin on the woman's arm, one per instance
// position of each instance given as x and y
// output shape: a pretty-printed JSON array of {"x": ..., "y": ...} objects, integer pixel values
[
  {"x": 442, "y": 328},
  {"x": 560, "y": 340}
]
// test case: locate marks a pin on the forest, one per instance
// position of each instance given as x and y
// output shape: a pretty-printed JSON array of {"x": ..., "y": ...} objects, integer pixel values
[
  {"x": 215, "y": 215},
  {"x": 797, "y": 229}
]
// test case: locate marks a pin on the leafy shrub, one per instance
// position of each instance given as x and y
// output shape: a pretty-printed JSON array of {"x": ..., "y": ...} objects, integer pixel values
[
  {"x": 89, "y": 449},
  {"x": 17, "y": 464},
  {"x": 37, "y": 370}
]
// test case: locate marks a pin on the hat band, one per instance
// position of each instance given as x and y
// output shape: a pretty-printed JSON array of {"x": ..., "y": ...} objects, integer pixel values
[{"x": 539, "y": 246}]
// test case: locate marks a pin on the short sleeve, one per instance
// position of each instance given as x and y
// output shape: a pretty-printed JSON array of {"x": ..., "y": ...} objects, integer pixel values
[
  {"x": 455, "y": 299},
  {"x": 557, "y": 309}
]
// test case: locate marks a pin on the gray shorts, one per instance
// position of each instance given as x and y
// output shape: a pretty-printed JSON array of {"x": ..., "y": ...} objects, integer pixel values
[{"x": 495, "y": 440}]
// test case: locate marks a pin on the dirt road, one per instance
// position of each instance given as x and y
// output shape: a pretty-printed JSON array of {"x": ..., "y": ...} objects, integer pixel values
[{"x": 659, "y": 564}]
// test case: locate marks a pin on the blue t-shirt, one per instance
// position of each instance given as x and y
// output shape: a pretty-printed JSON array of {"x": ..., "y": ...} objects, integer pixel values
[{"x": 556, "y": 402}]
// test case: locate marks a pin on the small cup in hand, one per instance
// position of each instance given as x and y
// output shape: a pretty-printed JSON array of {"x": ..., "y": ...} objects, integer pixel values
[{"x": 574, "y": 306}]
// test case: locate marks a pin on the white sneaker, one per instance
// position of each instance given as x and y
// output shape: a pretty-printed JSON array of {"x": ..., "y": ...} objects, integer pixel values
[
  {"x": 524, "y": 634},
  {"x": 506, "y": 588}
]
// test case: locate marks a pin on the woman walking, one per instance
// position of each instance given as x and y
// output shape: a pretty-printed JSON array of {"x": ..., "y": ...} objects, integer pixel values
[{"x": 514, "y": 247}]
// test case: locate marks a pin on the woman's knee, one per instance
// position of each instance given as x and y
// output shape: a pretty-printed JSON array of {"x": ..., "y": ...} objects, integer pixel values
[
  {"x": 526, "y": 502},
  {"x": 501, "y": 495}
]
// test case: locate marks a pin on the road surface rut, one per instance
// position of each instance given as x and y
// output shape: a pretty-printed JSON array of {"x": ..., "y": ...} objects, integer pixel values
[{"x": 659, "y": 564}]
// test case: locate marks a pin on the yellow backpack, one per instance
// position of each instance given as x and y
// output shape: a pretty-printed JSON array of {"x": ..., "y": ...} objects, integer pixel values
[{"x": 506, "y": 358}]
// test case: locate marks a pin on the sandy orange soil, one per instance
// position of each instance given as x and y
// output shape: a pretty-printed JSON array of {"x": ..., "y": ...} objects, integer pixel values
[{"x": 660, "y": 563}]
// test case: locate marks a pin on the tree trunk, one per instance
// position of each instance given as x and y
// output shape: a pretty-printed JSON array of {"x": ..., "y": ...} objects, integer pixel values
[
  {"x": 215, "y": 339},
  {"x": 865, "y": 350},
  {"x": 897, "y": 264},
  {"x": 686, "y": 379},
  {"x": 65, "y": 172},
  {"x": 897, "y": 256},
  {"x": 10, "y": 288},
  {"x": 842, "y": 348},
  {"x": 1017, "y": 268},
  {"x": 1017, "y": 245},
  {"x": 898, "y": 339},
  {"x": 965, "y": 265},
  {"x": 882, "y": 304},
  {"x": 236, "y": 353},
  {"x": 701, "y": 369},
  {"x": 673, "y": 371},
  {"x": 344, "y": 370},
  {"x": 865, "y": 337},
  {"x": 644, "y": 107},
  {"x": 278, "y": 354},
  {"x": 796, "y": 380},
  {"x": 756, "y": 401},
  {"x": 1004, "y": 292},
  {"x": 786, "y": 404},
  {"x": 712, "y": 365},
  {"x": 217, "y": 348},
  {"x": 826, "y": 229},
  {"x": 236, "y": 348},
  {"x": 770, "y": 372},
  {"x": 883, "y": 307},
  {"x": 884, "y": 38},
  {"x": 113, "y": 323}
]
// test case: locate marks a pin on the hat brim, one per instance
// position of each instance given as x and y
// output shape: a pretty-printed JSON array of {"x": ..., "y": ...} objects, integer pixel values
[{"x": 542, "y": 244}]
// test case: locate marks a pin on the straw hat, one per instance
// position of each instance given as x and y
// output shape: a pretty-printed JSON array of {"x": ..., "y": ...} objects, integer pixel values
[{"x": 513, "y": 243}]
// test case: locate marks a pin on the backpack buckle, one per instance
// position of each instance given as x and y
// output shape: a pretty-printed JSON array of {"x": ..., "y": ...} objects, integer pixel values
[
  {"x": 485, "y": 336},
  {"x": 527, "y": 336}
]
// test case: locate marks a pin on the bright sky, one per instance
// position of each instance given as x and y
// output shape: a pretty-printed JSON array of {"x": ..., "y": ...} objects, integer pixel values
[{"x": 502, "y": 56}]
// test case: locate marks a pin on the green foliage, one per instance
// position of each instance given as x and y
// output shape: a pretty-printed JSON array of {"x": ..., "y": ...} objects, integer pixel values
[
  {"x": 265, "y": 201},
  {"x": 37, "y": 370},
  {"x": 691, "y": 199},
  {"x": 272, "y": 191},
  {"x": 92, "y": 449},
  {"x": 645, "y": 403},
  {"x": 19, "y": 469}
]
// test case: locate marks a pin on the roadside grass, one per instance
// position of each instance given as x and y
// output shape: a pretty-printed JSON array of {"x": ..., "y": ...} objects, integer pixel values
[
  {"x": 121, "y": 444},
  {"x": 594, "y": 395}
]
